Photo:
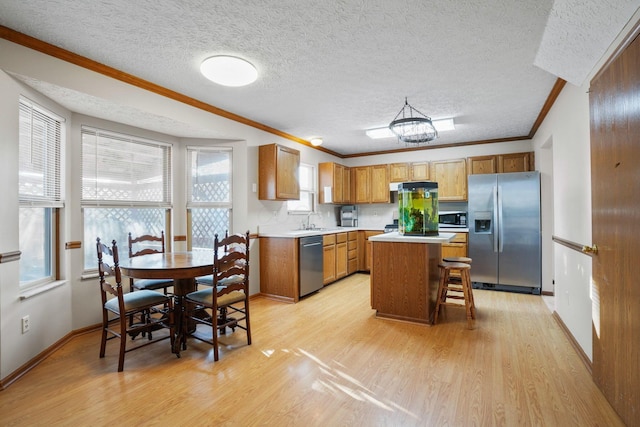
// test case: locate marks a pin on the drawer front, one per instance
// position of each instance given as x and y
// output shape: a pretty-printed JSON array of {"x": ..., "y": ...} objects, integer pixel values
[
  {"x": 341, "y": 237},
  {"x": 329, "y": 239},
  {"x": 460, "y": 238},
  {"x": 352, "y": 254},
  {"x": 352, "y": 245},
  {"x": 352, "y": 265},
  {"x": 352, "y": 235},
  {"x": 454, "y": 250}
]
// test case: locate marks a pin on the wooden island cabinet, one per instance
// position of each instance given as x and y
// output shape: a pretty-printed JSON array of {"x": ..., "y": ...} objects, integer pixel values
[{"x": 404, "y": 275}]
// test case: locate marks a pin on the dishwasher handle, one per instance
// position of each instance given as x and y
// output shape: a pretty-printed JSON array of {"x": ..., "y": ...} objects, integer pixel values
[{"x": 306, "y": 245}]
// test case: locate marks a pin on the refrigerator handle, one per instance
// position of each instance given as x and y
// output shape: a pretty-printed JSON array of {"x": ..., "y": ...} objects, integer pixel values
[
  {"x": 495, "y": 218},
  {"x": 500, "y": 226}
]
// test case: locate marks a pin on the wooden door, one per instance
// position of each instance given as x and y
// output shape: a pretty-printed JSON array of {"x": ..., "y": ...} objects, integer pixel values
[
  {"x": 614, "y": 102},
  {"x": 287, "y": 170},
  {"x": 338, "y": 183},
  {"x": 379, "y": 186},
  {"x": 481, "y": 165},
  {"x": 451, "y": 176},
  {"x": 363, "y": 184},
  {"x": 329, "y": 263},
  {"x": 398, "y": 172},
  {"x": 419, "y": 171},
  {"x": 346, "y": 185},
  {"x": 515, "y": 162}
]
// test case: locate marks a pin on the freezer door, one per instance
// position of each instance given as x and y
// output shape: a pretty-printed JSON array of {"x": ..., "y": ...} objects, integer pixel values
[
  {"x": 483, "y": 241},
  {"x": 519, "y": 230}
]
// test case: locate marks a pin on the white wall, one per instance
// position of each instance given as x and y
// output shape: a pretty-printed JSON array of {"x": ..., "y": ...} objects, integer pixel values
[
  {"x": 565, "y": 132},
  {"x": 49, "y": 313}
]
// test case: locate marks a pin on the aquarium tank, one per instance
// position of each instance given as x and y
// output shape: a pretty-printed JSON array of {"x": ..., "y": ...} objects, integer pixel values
[{"x": 418, "y": 208}]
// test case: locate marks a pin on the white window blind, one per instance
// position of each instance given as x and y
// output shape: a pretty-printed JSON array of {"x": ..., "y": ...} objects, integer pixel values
[
  {"x": 40, "y": 159},
  {"x": 122, "y": 170}
]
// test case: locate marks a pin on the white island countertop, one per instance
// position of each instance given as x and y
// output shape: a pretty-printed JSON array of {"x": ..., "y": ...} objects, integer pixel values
[{"x": 398, "y": 238}]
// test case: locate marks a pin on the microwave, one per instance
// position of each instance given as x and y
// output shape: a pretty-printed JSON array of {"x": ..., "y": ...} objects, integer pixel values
[{"x": 452, "y": 219}]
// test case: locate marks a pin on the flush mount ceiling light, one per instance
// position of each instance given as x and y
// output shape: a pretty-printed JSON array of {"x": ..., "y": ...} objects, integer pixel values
[
  {"x": 412, "y": 127},
  {"x": 316, "y": 141},
  {"x": 229, "y": 71}
]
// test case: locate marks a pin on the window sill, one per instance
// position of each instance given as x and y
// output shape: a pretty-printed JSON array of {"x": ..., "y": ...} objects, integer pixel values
[{"x": 37, "y": 290}]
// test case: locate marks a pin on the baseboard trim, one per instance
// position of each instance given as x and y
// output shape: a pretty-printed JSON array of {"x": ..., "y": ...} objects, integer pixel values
[
  {"x": 22, "y": 370},
  {"x": 574, "y": 343}
]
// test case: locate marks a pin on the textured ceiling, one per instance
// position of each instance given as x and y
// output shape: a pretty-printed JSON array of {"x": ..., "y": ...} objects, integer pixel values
[{"x": 329, "y": 69}]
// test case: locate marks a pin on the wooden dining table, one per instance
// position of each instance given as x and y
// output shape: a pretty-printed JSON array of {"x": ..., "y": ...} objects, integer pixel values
[{"x": 183, "y": 268}]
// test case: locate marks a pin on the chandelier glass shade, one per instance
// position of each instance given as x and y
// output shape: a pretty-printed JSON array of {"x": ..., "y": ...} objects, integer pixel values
[{"x": 413, "y": 127}]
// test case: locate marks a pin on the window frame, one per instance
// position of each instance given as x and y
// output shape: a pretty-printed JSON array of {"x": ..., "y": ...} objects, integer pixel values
[
  {"x": 48, "y": 159},
  {"x": 191, "y": 204},
  {"x": 311, "y": 191},
  {"x": 163, "y": 203}
]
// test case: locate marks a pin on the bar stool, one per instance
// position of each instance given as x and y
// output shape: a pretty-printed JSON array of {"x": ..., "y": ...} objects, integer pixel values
[
  {"x": 451, "y": 290},
  {"x": 456, "y": 277}
]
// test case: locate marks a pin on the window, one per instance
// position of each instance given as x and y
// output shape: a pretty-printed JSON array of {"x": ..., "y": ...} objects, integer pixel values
[
  {"x": 209, "y": 189},
  {"x": 126, "y": 188},
  {"x": 307, "y": 202},
  {"x": 40, "y": 196}
]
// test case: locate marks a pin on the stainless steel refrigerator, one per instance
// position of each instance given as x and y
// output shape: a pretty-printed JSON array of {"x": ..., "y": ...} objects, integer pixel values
[{"x": 504, "y": 231}]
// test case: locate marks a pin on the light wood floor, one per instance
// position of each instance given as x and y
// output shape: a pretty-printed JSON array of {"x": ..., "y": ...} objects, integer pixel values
[{"x": 327, "y": 361}]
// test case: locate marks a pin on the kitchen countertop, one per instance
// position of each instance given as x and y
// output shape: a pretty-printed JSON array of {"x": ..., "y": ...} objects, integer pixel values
[
  {"x": 292, "y": 234},
  {"x": 397, "y": 238}
]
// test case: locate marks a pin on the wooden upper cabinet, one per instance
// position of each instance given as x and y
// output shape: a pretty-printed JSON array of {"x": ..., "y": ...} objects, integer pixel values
[
  {"x": 451, "y": 176},
  {"x": 399, "y": 172},
  {"x": 338, "y": 178},
  {"x": 516, "y": 162},
  {"x": 278, "y": 173},
  {"x": 380, "y": 184},
  {"x": 482, "y": 165},
  {"x": 404, "y": 172},
  {"x": 501, "y": 163},
  {"x": 419, "y": 171},
  {"x": 372, "y": 184}
]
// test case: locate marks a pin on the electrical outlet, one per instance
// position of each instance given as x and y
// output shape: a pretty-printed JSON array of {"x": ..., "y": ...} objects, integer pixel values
[{"x": 26, "y": 324}]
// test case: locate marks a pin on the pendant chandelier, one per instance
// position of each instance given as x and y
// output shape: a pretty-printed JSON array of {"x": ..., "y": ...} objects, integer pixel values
[{"x": 412, "y": 127}]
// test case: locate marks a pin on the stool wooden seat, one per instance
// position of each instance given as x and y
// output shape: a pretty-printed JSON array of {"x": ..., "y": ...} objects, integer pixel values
[
  {"x": 463, "y": 259},
  {"x": 452, "y": 290}
]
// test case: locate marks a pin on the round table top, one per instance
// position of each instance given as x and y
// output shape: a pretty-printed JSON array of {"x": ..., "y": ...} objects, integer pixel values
[{"x": 169, "y": 265}]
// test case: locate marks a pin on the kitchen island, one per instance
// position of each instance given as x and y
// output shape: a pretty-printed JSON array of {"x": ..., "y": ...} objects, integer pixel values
[{"x": 404, "y": 275}]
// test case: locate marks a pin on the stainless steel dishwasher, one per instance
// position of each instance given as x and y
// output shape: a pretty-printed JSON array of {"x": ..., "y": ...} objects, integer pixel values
[{"x": 311, "y": 272}]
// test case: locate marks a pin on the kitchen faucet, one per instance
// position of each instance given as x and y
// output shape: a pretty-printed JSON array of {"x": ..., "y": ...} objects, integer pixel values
[{"x": 310, "y": 226}]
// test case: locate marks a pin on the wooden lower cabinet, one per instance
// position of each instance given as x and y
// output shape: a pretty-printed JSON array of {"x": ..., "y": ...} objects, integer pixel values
[
  {"x": 279, "y": 268},
  {"x": 335, "y": 257},
  {"x": 458, "y": 246}
]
